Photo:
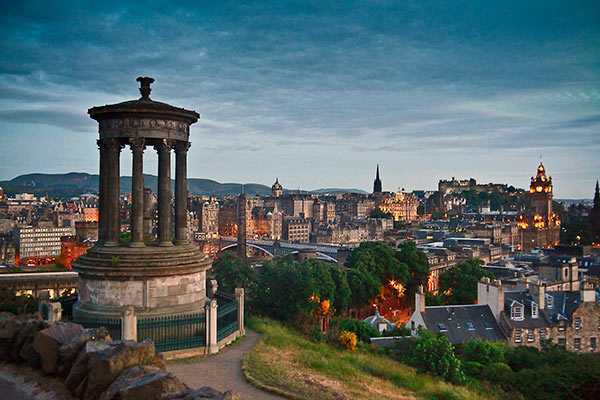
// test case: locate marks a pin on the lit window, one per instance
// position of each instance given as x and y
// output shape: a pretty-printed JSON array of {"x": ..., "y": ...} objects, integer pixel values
[
  {"x": 518, "y": 336},
  {"x": 516, "y": 313}
]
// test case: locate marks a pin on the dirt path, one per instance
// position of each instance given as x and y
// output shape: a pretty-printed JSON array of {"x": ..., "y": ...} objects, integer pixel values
[{"x": 222, "y": 371}]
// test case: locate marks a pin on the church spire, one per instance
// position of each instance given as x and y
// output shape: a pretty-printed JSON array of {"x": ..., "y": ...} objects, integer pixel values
[{"x": 377, "y": 183}]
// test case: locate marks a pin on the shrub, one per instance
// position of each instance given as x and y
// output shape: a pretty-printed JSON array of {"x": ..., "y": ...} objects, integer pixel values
[
  {"x": 347, "y": 340},
  {"x": 316, "y": 335},
  {"x": 500, "y": 374},
  {"x": 363, "y": 331},
  {"x": 473, "y": 369},
  {"x": 483, "y": 352},
  {"x": 435, "y": 354}
]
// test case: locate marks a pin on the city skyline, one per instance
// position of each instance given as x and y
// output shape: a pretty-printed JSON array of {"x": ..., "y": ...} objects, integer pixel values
[{"x": 316, "y": 94}]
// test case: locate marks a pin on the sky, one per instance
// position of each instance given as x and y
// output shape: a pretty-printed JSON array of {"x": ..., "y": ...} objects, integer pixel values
[{"x": 315, "y": 93}]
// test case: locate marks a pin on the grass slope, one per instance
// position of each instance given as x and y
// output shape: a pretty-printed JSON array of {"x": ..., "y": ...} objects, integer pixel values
[{"x": 286, "y": 363}]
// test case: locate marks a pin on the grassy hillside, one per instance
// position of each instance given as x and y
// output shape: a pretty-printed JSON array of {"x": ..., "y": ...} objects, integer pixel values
[{"x": 287, "y": 363}]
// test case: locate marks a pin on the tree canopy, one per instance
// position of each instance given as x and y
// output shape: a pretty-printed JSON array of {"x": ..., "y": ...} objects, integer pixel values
[{"x": 458, "y": 285}]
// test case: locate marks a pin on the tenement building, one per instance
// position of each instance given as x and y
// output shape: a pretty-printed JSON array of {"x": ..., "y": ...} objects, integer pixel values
[{"x": 39, "y": 245}]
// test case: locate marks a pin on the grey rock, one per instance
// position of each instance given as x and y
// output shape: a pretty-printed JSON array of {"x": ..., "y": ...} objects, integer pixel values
[
  {"x": 142, "y": 382},
  {"x": 78, "y": 373},
  {"x": 203, "y": 393},
  {"x": 68, "y": 352},
  {"x": 48, "y": 341}
]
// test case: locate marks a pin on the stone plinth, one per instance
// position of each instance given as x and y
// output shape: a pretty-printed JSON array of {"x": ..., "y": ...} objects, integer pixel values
[{"x": 154, "y": 280}]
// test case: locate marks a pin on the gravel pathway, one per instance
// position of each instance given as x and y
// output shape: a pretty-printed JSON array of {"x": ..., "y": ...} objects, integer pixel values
[{"x": 222, "y": 371}]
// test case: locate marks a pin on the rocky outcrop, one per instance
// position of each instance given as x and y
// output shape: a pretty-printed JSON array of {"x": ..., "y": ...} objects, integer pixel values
[
  {"x": 203, "y": 393},
  {"x": 142, "y": 382},
  {"x": 16, "y": 338},
  {"x": 95, "y": 367},
  {"x": 47, "y": 343},
  {"x": 68, "y": 352}
]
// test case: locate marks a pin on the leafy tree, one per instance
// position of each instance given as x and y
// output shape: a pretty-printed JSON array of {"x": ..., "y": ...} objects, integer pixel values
[
  {"x": 342, "y": 298},
  {"x": 363, "y": 330},
  {"x": 458, "y": 284},
  {"x": 372, "y": 265},
  {"x": 17, "y": 304},
  {"x": 483, "y": 352},
  {"x": 417, "y": 264},
  {"x": 284, "y": 289},
  {"x": 377, "y": 213},
  {"x": 435, "y": 354},
  {"x": 232, "y": 272}
]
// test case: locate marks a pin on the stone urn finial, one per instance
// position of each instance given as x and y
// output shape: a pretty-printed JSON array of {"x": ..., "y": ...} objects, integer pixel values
[{"x": 145, "y": 86}]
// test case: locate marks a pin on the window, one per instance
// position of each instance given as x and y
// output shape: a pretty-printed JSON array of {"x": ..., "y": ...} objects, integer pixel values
[
  {"x": 457, "y": 325},
  {"x": 516, "y": 313},
  {"x": 562, "y": 342},
  {"x": 543, "y": 334},
  {"x": 534, "y": 310},
  {"x": 518, "y": 336},
  {"x": 530, "y": 337},
  {"x": 577, "y": 344},
  {"x": 470, "y": 326},
  {"x": 577, "y": 323},
  {"x": 593, "y": 344},
  {"x": 599, "y": 323},
  {"x": 561, "y": 326},
  {"x": 550, "y": 302},
  {"x": 442, "y": 327}
]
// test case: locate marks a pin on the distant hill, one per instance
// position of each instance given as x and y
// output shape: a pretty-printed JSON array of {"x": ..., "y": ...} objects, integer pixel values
[{"x": 75, "y": 183}]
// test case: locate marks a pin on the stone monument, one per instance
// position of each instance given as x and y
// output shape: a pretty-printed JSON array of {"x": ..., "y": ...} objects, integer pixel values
[{"x": 156, "y": 278}]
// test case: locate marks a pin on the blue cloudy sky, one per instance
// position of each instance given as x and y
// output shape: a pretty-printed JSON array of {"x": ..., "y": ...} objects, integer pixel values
[{"x": 315, "y": 92}]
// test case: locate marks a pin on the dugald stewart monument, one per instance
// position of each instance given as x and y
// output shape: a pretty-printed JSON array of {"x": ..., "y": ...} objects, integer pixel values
[{"x": 161, "y": 277}]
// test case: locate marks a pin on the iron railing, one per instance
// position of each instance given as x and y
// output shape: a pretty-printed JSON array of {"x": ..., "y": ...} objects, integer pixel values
[
  {"x": 173, "y": 332},
  {"x": 112, "y": 324},
  {"x": 227, "y": 315}
]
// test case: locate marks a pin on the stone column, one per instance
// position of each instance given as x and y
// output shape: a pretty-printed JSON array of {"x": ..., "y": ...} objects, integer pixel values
[
  {"x": 211, "y": 326},
  {"x": 181, "y": 193},
  {"x": 129, "y": 324},
  {"x": 164, "y": 192},
  {"x": 113, "y": 207},
  {"x": 137, "y": 193},
  {"x": 239, "y": 297},
  {"x": 102, "y": 188}
]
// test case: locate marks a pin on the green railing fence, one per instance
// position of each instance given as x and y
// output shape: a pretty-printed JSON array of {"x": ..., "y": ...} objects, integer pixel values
[
  {"x": 173, "y": 332},
  {"x": 112, "y": 325},
  {"x": 227, "y": 315}
]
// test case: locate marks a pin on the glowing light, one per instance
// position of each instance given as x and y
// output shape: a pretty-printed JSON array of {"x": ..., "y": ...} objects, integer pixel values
[{"x": 398, "y": 287}]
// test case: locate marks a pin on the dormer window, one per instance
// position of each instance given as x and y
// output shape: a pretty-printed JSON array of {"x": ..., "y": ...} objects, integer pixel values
[
  {"x": 442, "y": 327},
  {"x": 516, "y": 312},
  {"x": 549, "y": 301},
  {"x": 534, "y": 310}
]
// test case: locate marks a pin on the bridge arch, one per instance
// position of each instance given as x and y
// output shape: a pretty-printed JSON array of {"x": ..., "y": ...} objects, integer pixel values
[{"x": 232, "y": 245}]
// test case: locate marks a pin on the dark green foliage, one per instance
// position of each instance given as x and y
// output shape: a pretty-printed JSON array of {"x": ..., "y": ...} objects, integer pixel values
[
  {"x": 287, "y": 287},
  {"x": 433, "y": 300},
  {"x": 398, "y": 331},
  {"x": 316, "y": 335},
  {"x": 377, "y": 213},
  {"x": 473, "y": 369},
  {"x": 435, "y": 354},
  {"x": 363, "y": 330},
  {"x": 15, "y": 269},
  {"x": 458, "y": 284},
  {"x": 17, "y": 304},
  {"x": 577, "y": 231},
  {"x": 483, "y": 352},
  {"x": 372, "y": 265},
  {"x": 417, "y": 264},
  {"x": 232, "y": 272}
]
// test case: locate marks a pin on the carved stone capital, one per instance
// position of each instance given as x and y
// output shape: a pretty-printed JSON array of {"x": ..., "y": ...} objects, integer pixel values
[
  {"x": 113, "y": 145},
  {"x": 164, "y": 146},
  {"x": 137, "y": 144},
  {"x": 182, "y": 147}
]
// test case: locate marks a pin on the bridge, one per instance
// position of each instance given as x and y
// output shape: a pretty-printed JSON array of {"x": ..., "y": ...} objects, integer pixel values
[
  {"x": 325, "y": 252},
  {"x": 35, "y": 282}
]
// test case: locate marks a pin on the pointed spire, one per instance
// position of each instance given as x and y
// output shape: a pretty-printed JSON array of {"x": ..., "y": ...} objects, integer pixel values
[
  {"x": 377, "y": 183},
  {"x": 377, "y": 176}
]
